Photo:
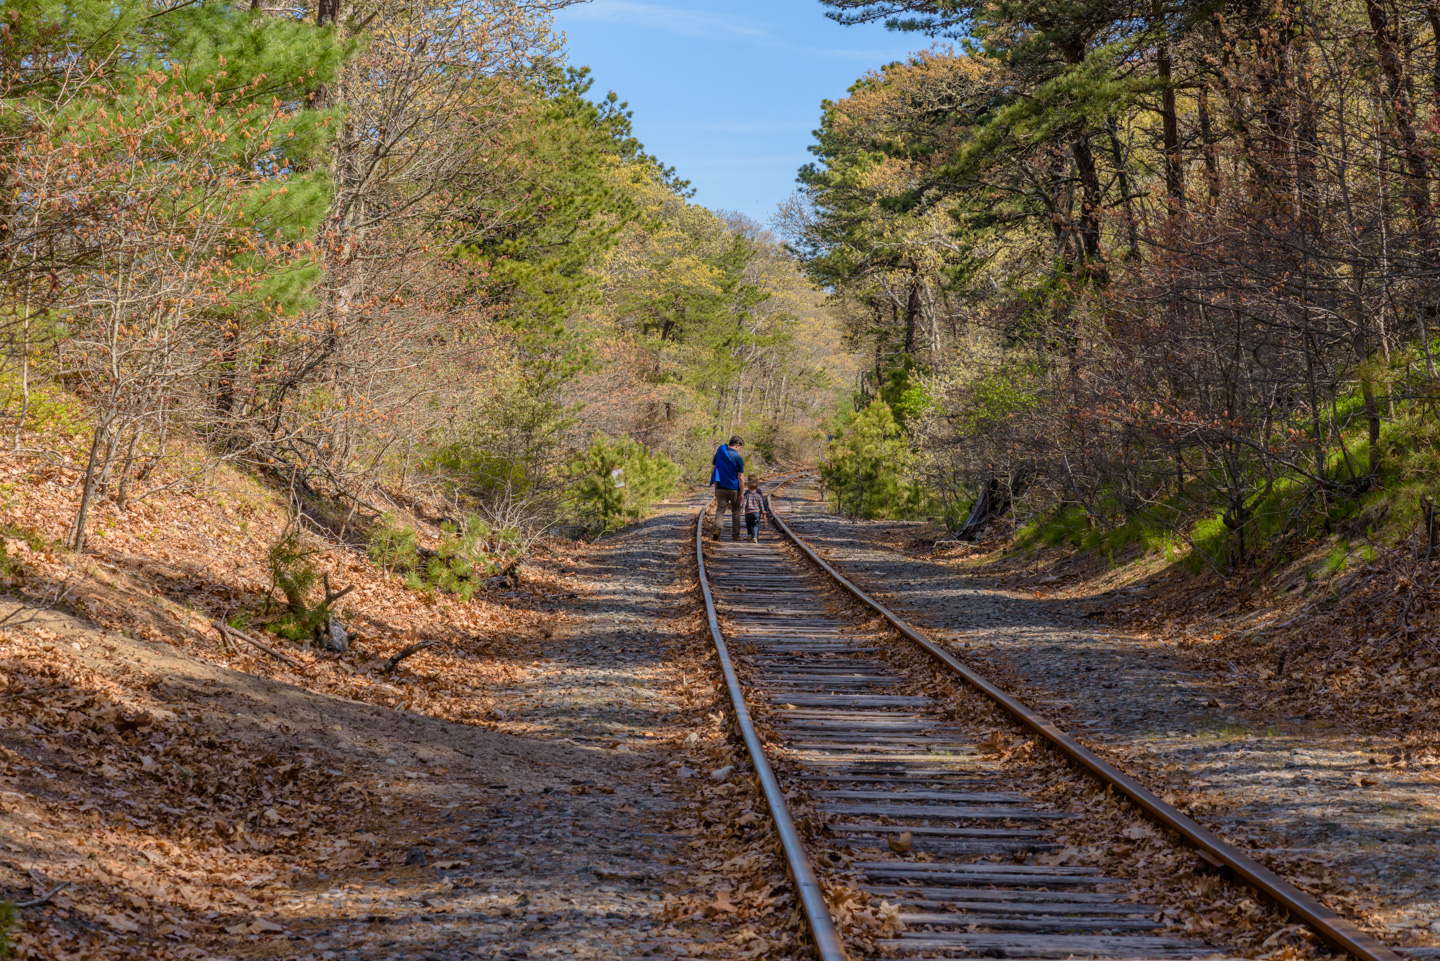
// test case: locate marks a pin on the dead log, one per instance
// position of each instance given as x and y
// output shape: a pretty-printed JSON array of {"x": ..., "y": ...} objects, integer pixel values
[
  {"x": 394, "y": 659},
  {"x": 228, "y": 632}
]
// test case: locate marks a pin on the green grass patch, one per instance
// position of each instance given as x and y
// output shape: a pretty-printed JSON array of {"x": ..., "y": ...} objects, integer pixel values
[
  {"x": 1336, "y": 560},
  {"x": 1070, "y": 526}
]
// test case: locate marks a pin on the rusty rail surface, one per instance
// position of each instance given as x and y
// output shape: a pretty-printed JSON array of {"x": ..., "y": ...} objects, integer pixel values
[
  {"x": 828, "y": 945},
  {"x": 1334, "y": 928}
]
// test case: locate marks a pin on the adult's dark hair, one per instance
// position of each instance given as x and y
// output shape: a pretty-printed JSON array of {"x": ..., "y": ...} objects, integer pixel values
[{"x": 737, "y": 441}]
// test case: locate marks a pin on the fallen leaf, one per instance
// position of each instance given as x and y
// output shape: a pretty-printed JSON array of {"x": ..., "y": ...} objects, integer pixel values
[
  {"x": 993, "y": 744},
  {"x": 723, "y": 904}
]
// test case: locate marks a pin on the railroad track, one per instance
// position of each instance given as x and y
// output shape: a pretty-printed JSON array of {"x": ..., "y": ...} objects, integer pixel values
[{"x": 893, "y": 778}]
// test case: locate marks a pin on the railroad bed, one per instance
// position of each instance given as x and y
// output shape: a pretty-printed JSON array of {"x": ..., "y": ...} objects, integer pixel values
[
  {"x": 932, "y": 824},
  {"x": 881, "y": 764}
]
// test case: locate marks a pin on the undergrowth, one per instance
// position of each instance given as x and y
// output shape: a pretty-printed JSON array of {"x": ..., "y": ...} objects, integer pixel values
[
  {"x": 9, "y": 921},
  {"x": 1354, "y": 509}
]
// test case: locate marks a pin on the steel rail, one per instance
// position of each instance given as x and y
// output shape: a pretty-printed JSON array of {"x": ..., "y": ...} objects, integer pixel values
[
  {"x": 828, "y": 945},
  {"x": 1335, "y": 929}
]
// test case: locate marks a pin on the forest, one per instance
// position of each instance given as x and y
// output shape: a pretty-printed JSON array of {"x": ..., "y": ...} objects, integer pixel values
[
  {"x": 1157, "y": 273},
  {"x": 372, "y": 252},
  {"x": 361, "y": 377}
]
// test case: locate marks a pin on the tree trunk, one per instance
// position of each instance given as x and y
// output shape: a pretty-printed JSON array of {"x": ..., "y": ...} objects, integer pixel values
[
  {"x": 1131, "y": 227},
  {"x": 1090, "y": 205},
  {"x": 1169, "y": 125},
  {"x": 1432, "y": 13},
  {"x": 93, "y": 470},
  {"x": 912, "y": 311},
  {"x": 1207, "y": 145},
  {"x": 1402, "y": 115}
]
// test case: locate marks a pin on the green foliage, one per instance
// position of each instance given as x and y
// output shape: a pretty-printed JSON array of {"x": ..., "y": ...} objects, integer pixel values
[
  {"x": 294, "y": 576},
  {"x": 291, "y": 572},
  {"x": 1070, "y": 526},
  {"x": 563, "y": 209},
  {"x": 392, "y": 547},
  {"x": 466, "y": 555},
  {"x": 509, "y": 446},
  {"x": 1075, "y": 527},
  {"x": 905, "y": 393},
  {"x": 238, "y": 61},
  {"x": 1338, "y": 557},
  {"x": 995, "y": 396},
  {"x": 867, "y": 472},
  {"x": 592, "y": 496},
  {"x": 9, "y": 921},
  {"x": 469, "y": 553}
]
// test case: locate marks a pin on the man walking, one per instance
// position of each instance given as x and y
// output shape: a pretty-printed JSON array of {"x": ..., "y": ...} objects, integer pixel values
[{"x": 728, "y": 478}]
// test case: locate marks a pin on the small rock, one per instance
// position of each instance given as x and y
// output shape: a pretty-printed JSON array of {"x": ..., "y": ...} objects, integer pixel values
[
  {"x": 416, "y": 857},
  {"x": 721, "y": 773},
  {"x": 685, "y": 771},
  {"x": 336, "y": 637}
]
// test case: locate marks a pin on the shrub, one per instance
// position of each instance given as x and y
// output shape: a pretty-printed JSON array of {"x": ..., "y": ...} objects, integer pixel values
[
  {"x": 603, "y": 500},
  {"x": 470, "y": 553},
  {"x": 292, "y": 574},
  {"x": 868, "y": 468},
  {"x": 393, "y": 548}
]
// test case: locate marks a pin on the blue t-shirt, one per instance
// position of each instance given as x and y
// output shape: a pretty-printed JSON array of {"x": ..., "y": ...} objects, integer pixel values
[{"x": 728, "y": 468}]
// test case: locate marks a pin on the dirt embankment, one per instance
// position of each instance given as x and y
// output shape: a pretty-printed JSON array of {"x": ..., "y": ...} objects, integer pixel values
[{"x": 554, "y": 779}]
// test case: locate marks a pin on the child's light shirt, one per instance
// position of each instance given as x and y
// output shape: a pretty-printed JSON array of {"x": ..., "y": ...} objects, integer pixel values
[{"x": 754, "y": 502}]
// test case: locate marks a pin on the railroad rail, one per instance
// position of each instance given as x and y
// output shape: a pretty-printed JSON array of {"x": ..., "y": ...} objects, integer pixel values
[{"x": 894, "y": 778}]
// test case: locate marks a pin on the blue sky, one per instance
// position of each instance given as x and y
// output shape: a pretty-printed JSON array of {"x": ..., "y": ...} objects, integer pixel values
[{"x": 726, "y": 91}]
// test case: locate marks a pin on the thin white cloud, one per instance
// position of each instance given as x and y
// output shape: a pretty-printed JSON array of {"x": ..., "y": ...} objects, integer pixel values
[{"x": 681, "y": 22}]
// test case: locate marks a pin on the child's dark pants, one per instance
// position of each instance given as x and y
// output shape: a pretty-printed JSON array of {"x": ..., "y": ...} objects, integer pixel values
[{"x": 752, "y": 523}]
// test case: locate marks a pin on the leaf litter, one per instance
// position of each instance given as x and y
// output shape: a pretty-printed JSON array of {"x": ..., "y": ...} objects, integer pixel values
[
  {"x": 1154, "y": 712},
  {"x": 508, "y": 794}
]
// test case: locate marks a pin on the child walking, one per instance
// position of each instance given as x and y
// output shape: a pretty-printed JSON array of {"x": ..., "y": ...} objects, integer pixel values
[{"x": 755, "y": 509}]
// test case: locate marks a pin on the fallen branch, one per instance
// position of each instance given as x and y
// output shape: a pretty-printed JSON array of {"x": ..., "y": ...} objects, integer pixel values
[
  {"x": 228, "y": 632},
  {"x": 44, "y": 898},
  {"x": 394, "y": 659},
  {"x": 332, "y": 596}
]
